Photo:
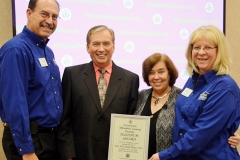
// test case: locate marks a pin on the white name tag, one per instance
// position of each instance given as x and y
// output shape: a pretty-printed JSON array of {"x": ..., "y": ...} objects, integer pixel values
[
  {"x": 43, "y": 62},
  {"x": 187, "y": 92}
]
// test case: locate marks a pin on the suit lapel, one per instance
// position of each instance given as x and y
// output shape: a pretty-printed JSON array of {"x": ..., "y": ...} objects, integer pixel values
[
  {"x": 90, "y": 80},
  {"x": 113, "y": 86}
]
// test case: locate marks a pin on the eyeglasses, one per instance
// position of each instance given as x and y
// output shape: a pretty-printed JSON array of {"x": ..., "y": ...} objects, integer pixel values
[
  {"x": 206, "y": 48},
  {"x": 47, "y": 15}
]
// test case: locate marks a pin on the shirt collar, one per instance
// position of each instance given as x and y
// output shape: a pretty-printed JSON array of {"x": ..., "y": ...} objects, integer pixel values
[
  {"x": 35, "y": 38},
  {"x": 208, "y": 77},
  {"x": 108, "y": 67}
]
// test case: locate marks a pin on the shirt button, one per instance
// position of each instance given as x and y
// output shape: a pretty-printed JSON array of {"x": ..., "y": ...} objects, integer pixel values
[
  {"x": 13, "y": 134},
  {"x": 52, "y": 77},
  {"x": 182, "y": 119},
  {"x": 180, "y": 134},
  {"x": 20, "y": 149},
  {"x": 58, "y": 107},
  {"x": 55, "y": 92}
]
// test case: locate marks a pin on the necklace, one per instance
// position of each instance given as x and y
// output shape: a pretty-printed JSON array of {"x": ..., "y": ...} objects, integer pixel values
[{"x": 161, "y": 97}]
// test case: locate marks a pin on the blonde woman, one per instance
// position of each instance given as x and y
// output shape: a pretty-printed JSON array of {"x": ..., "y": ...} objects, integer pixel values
[{"x": 208, "y": 107}]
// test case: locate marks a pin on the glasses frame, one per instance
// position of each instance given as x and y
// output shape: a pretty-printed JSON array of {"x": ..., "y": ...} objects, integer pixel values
[
  {"x": 206, "y": 48},
  {"x": 46, "y": 15}
]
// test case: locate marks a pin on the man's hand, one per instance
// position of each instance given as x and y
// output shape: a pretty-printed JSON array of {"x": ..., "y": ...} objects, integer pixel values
[
  {"x": 155, "y": 157},
  {"x": 30, "y": 156}
]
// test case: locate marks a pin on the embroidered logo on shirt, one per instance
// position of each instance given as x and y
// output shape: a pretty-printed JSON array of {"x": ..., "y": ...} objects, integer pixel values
[{"x": 203, "y": 96}]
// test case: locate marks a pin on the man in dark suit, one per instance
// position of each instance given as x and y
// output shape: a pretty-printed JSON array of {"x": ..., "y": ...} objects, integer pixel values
[{"x": 84, "y": 130}]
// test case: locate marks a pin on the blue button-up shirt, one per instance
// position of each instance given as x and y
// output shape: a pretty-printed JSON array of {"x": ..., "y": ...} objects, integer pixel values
[
  {"x": 205, "y": 119},
  {"x": 29, "y": 91}
]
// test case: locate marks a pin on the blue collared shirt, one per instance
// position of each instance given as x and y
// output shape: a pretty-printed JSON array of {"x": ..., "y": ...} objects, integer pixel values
[
  {"x": 29, "y": 91},
  {"x": 205, "y": 119}
]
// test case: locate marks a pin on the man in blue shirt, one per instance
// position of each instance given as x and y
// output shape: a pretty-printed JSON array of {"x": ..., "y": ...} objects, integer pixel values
[{"x": 30, "y": 87}]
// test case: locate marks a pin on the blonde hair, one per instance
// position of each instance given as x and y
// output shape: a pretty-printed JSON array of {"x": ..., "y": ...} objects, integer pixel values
[
  {"x": 97, "y": 29},
  {"x": 214, "y": 36}
]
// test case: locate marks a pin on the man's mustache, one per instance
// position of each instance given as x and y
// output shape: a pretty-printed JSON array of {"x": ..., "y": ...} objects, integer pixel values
[{"x": 45, "y": 24}]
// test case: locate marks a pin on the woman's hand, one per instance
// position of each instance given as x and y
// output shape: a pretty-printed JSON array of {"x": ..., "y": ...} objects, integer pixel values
[
  {"x": 234, "y": 140},
  {"x": 155, "y": 157},
  {"x": 29, "y": 156}
]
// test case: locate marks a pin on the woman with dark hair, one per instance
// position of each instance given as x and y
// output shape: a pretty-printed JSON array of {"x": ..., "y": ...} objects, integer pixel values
[{"x": 158, "y": 101}]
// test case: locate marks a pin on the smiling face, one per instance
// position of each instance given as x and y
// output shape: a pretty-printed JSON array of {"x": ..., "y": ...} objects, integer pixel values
[
  {"x": 40, "y": 19},
  {"x": 101, "y": 47},
  {"x": 159, "y": 78},
  {"x": 204, "y": 58}
]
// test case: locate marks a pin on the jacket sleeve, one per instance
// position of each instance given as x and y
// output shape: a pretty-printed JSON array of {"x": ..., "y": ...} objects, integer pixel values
[
  {"x": 65, "y": 133},
  {"x": 134, "y": 95}
]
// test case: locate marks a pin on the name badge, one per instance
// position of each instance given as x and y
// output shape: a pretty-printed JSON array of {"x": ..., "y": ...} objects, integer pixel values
[
  {"x": 187, "y": 92},
  {"x": 43, "y": 62}
]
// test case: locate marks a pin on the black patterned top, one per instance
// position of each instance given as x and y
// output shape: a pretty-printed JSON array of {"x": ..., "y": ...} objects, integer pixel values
[{"x": 165, "y": 118}]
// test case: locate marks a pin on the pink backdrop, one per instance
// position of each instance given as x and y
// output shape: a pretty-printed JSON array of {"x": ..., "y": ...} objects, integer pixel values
[{"x": 142, "y": 27}]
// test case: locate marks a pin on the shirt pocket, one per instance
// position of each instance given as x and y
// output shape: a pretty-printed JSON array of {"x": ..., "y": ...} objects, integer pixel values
[{"x": 192, "y": 110}]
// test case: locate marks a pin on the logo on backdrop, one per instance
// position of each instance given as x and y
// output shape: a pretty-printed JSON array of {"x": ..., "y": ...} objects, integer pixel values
[
  {"x": 129, "y": 46},
  {"x": 184, "y": 34},
  {"x": 184, "y": 74},
  {"x": 67, "y": 60},
  {"x": 157, "y": 18},
  {"x": 128, "y": 3},
  {"x": 65, "y": 14},
  {"x": 209, "y": 7}
]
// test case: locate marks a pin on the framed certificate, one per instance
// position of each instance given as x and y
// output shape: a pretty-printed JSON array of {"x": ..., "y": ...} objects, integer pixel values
[{"x": 129, "y": 135}]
